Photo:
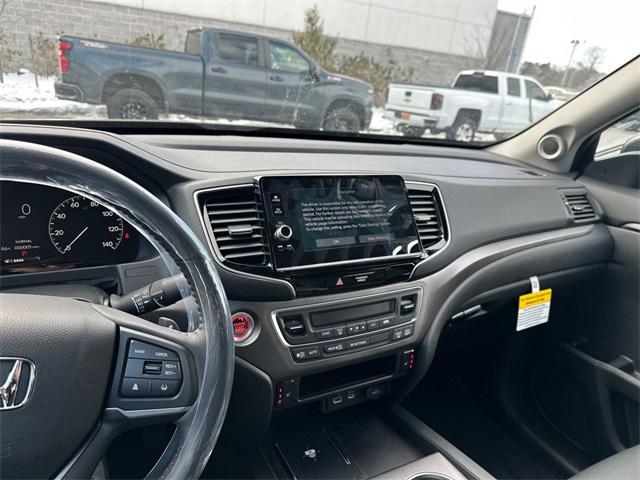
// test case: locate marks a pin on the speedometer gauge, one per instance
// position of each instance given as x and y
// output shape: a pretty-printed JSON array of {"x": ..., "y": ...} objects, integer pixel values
[{"x": 80, "y": 224}]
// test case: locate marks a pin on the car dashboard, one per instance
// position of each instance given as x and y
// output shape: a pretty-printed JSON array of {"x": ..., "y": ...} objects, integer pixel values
[{"x": 342, "y": 262}]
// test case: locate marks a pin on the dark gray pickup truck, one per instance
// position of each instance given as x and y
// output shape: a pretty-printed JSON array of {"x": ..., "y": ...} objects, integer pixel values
[{"x": 221, "y": 74}]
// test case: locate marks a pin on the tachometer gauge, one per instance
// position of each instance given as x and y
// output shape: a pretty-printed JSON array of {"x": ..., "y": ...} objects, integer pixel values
[{"x": 80, "y": 224}]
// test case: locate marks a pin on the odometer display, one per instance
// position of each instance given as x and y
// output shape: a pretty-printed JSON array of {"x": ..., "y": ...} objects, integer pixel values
[{"x": 82, "y": 225}]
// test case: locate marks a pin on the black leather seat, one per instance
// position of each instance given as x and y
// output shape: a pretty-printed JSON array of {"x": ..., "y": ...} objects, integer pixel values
[{"x": 621, "y": 466}]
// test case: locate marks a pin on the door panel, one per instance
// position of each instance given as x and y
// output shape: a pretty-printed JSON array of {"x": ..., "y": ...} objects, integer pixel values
[
  {"x": 291, "y": 89},
  {"x": 235, "y": 79},
  {"x": 516, "y": 106},
  {"x": 597, "y": 346},
  {"x": 538, "y": 101}
]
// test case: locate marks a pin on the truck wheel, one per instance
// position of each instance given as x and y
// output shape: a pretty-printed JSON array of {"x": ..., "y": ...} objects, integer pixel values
[
  {"x": 132, "y": 104},
  {"x": 342, "y": 119},
  {"x": 463, "y": 130}
]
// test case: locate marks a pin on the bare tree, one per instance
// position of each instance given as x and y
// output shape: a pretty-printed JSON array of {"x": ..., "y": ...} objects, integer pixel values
[
  {"x": 593, "y": 57},
  {"x": 4, "y": 6},
  {"x": 7, "y": 52},
  {"x": 491, "y": 51}
]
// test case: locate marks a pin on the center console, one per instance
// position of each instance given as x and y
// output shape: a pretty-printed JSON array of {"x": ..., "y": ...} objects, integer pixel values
[
  {"x": 349, "y": 241},
  {"x": 325, "y": 234}
]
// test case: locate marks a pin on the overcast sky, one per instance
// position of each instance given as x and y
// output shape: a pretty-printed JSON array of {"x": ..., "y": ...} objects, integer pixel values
[{"x": 611, "y": 24}]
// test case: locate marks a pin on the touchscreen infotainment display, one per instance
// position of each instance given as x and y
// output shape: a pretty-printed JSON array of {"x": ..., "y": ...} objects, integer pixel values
[{"x": 319, "y": 220}]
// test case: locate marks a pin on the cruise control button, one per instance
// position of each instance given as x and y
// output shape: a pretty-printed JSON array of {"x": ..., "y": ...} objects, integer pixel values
[
  {"x": 152, "y": 368},
  {"x": 147, "y": 351},
  {"x": 135, "y": 387},
  {"x": 171, "y": 370},
  {"x": 164, "y": 388}
]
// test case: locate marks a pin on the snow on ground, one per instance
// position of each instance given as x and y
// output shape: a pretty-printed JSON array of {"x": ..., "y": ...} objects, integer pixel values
[
  {"x": 20, "y": 96},
  {"x": 381, "y": 125}
]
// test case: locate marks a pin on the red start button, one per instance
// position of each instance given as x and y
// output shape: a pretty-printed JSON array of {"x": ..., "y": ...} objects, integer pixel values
[{"x": 243, "y": 324}]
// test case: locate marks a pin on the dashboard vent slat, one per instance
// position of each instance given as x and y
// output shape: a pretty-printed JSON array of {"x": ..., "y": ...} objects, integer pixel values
[
  {"x": 579, "y": 207},
  {"x": 236, "y": 222},
  {"x": 428, "y": 214}
]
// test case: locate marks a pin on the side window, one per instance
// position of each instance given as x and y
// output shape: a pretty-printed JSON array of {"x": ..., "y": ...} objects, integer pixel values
[
  {"x": 238, "y": 49},
  {"x": 285, "y": 59},
  {"x": 513, "y": 86},
  {"x": 534, "y": 91},
  {"x": 478, "y": 82},
  {"x": 193, "y": 44},
  {"x": 623, "y": 137}
]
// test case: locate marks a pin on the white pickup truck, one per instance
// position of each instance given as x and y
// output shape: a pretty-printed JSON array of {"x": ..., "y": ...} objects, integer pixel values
[{"x": 479, "y": 101}]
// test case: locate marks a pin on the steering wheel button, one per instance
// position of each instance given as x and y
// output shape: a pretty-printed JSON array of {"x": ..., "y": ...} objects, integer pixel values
[
  {"x": 135, "y": 387},
  {"x": 164, "y": 388},
  {"x": 152, "y": 368},
  {"x": 171, "y": 370},
  {"x": 146, "y": 351}
]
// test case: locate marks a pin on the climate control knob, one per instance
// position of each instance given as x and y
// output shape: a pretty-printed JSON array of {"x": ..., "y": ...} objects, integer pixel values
[{"x": 283, "y": 233}]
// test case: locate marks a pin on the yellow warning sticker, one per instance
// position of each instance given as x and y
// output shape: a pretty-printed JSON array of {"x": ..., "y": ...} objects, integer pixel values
[{"x": 533, "y": 309}]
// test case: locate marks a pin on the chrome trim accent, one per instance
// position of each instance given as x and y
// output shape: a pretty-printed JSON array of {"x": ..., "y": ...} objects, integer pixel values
[
  {"x": 11, "y": 386},
  {"x": 417, "y": 289},
  {"x": 386, "y": 258}
]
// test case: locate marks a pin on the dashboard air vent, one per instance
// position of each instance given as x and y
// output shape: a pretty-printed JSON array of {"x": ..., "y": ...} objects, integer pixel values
[
  {"x": 579, "y": 206},
  {"x": 428, "y": 213},
  {"x": 236, "y": 223}
]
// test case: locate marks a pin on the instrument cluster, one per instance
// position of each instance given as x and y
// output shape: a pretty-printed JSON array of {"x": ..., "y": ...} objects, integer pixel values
[{"x": 44, "y": 228}]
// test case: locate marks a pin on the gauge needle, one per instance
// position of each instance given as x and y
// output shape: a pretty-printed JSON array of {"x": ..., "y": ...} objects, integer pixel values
[{"x": 76, "y": 239}]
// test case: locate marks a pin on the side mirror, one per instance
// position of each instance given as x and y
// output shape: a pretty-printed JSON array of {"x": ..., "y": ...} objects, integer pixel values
[
  {"x": 549, "y": 97},
  {"x": 314, "y": 72}
]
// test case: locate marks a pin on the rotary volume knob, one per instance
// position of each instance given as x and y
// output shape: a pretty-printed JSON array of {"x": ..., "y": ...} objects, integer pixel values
[{"x": 283, "y": 233}]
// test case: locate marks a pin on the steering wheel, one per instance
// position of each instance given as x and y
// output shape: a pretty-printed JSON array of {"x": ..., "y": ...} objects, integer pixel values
[{"x": 66, "y": 395}]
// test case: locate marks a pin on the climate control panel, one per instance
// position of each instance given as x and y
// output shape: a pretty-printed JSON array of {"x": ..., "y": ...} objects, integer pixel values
[{"x": 339, "y": 328}]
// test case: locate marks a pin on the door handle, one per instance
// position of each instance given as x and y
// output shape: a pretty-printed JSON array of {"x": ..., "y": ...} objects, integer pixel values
[
  {"x": 218, "y": 69},
  {"x": 276, "y": 78}
]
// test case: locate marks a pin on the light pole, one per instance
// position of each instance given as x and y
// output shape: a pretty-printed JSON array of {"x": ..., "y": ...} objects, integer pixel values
[{"x": 565, "y": 77}]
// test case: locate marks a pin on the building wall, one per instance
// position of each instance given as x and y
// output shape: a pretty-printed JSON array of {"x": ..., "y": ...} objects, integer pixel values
[
  {"x": 507, "y": 42},
  {"x": 435, "y": 55},
  {"x": 438, "y": 24}
]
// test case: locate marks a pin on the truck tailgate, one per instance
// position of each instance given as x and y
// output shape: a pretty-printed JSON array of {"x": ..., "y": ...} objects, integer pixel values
[{"x": 409, "y": 97}]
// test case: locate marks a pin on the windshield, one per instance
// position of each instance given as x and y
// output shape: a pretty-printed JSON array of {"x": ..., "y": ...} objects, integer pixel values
[{"x": 464, "y": 71}]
